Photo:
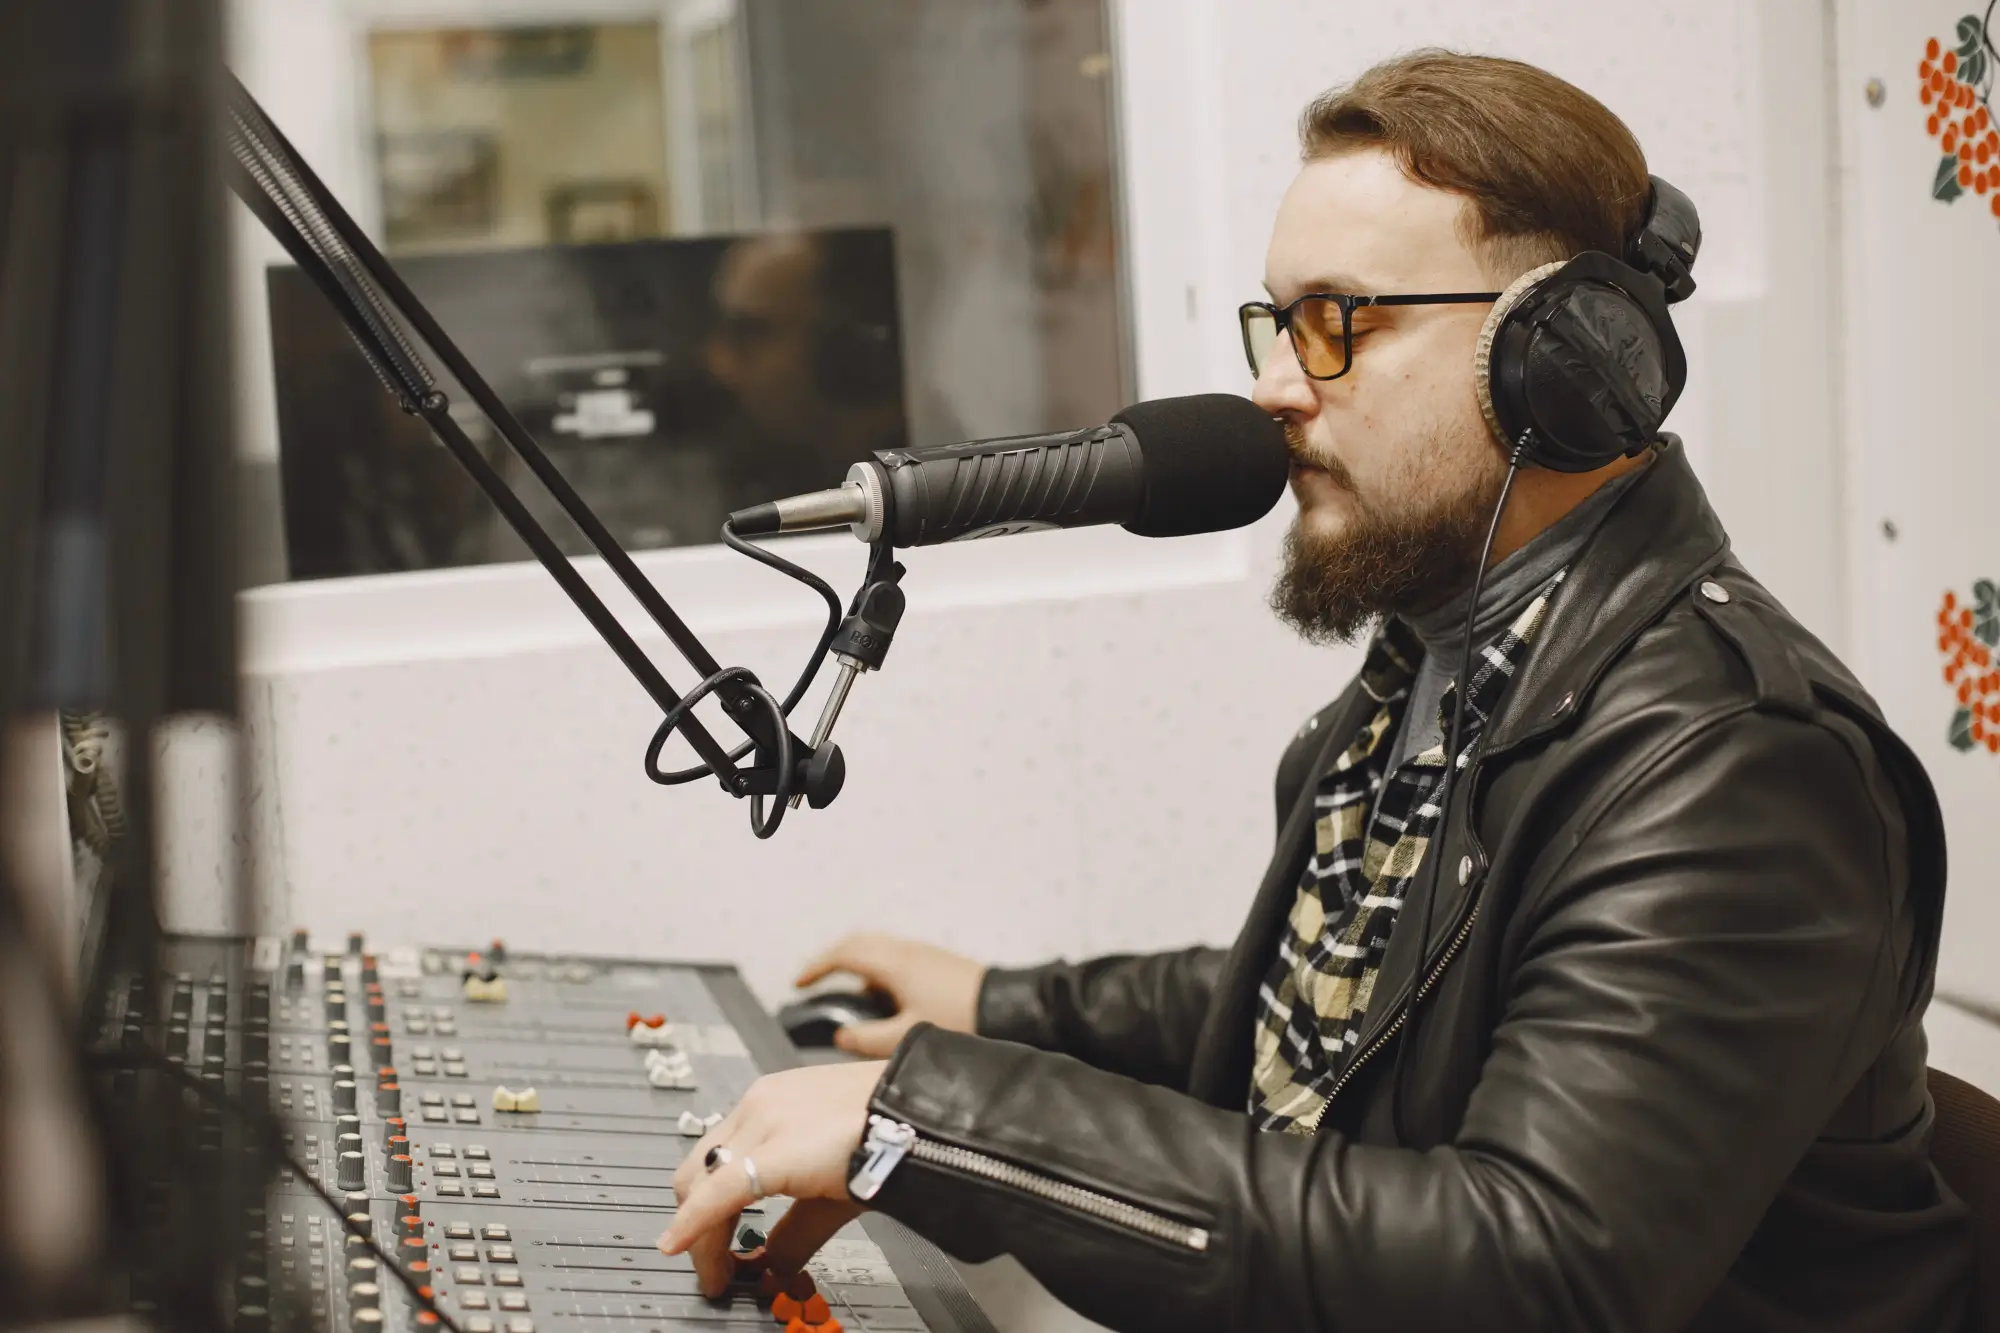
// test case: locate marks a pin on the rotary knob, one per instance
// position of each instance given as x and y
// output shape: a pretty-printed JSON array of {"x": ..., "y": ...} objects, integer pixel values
[
  {"x": 365, "y": 1319},
  {"x": 400, "y": 1176},
  {"x": 378, "y": 1007},
  {"x": 397, "y": 1143},
  {"x": 411, "y": 1208},
  {"x": 256, "y": 1045},
  {"x": 409, "y": 1224},
  {"x": 216, "y": 1043},
  {"x": 340, "y": 1049},
  {"x": 364, "y": 1296},
  {"x": 353, "y": 1171},
  {"x": 369, "y": 971},
  {"x": 336, "y": 1004},
  {"x": 356, "y": 941},
  {"x": 394, "y": 1128},
  {"x": 257, "y": 1002},
  {"x": 389, "y": 1099},
  {"x": 295, "y": 974},
  {"x": 330, "y": 968},
  {"x": 343, "y": 1095},
  {"x": 347, "y": 1143},
  {"x": 411, "y": 1251},
  {"x": 347, "y": 1124},
  {"x": 363, "y": 1269}
]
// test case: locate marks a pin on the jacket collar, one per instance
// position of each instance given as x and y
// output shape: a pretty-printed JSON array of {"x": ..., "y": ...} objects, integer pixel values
[{"x": 1657, "y": 539}]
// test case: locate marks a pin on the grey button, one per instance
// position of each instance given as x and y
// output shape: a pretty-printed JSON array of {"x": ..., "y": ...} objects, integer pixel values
[
  {"x": 450, "y": 1189},
  {"x": 520, "y": 1325},
  {"x": 500, "y": 1254},
  {"x": 435, "y": 1115},
  {"x": 1714, "y": 591},
  {"x": 479, "y": 1172},
  {"x": 458, "y": 1230},
  {"x": 507, "y": 1277},
  {"x": 444, "y": 1169},
  {"x": 443, "y": 1150},
  {"x": 464, "y": 1253},
  {"x": 473, "y": 1300},
  {"x": 468, "y": 1275},
  {"x": 432, "y": 1099},
  {"x": 476, "y": 1152},
  {"x": 422, "y": 1052},
  {"x": 466, "y": 1117},
  {"x": 1464, "y": 870},
  {"x": 496, "y": 1231},
  {"x": 452, "y": 1053},
  {"x": 479, "y": 1323},
  {"x": 462, "y": 1099},
  {"x": 453, "y": 1070},
  {"x": 513, "y": 1300},
  {"x": 485, "y": 1191}
]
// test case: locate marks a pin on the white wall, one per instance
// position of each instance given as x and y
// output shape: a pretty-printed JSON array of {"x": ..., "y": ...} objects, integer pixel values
[{"x": 1070, "y": 749}]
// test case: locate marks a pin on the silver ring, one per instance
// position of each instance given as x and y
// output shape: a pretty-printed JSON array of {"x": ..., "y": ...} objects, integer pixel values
[
  {"x": 716, "y": 1158},
  {"x": 756, "y": 1185}
]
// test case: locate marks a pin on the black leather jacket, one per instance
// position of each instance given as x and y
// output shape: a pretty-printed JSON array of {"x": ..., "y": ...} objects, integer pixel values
[{"x": 1670, "y": 1068}]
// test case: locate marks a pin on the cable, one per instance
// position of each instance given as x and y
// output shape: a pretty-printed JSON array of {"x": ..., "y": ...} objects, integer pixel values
[
  {"x": 1451, "y": 765},
  {"x": 273, "y": 1143},
  {"x": 780, "y": 712}
]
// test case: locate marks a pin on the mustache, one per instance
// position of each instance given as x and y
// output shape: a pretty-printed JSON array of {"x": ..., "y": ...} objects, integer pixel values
[{"x": 1302, "y": 454}]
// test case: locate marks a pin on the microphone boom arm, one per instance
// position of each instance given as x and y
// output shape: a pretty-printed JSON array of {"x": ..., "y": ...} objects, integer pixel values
[{"x": 368, "y": 295}]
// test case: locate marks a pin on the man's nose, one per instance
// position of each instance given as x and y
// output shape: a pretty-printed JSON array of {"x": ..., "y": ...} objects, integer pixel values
[{"x": 1282, "y": 387}]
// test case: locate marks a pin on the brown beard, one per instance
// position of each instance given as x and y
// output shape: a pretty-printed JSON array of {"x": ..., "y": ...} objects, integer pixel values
[{"x": 1331, "y": 588}]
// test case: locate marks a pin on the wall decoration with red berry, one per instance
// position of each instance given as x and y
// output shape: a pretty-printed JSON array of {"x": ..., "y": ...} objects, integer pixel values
[
  {"x": 1969, "y": 638},
  {"x": 1955, "y": 80}
]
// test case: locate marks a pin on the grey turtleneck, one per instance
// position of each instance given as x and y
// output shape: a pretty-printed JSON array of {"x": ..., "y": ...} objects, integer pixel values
[{"x": 1510, "y": 585}]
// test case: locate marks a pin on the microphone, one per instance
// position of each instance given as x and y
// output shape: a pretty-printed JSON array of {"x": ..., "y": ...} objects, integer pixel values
[{"x": 1165, "y": 468}]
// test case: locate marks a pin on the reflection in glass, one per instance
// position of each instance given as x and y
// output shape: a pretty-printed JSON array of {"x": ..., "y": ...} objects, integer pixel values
[{"x": 971, "y": 139}]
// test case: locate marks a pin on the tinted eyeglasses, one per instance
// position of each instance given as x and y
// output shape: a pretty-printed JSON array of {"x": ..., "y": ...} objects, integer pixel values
[{"x": 1322, "y": 327}]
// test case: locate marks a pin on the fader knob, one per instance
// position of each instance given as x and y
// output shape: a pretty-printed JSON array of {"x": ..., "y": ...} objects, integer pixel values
[
  {"x": 400, "y": 1178},
  {"x": 343, "y": 1095},
  {"x": 353, "y": 1171}
]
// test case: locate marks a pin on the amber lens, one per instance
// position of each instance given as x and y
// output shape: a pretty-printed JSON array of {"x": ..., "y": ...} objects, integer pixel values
[{"x": 1319, "y": 337}]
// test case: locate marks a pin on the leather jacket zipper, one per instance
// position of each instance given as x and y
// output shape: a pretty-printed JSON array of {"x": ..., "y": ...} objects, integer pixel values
[
  {"x": 889, "y": 1141},
  {"x": 1388, "y": 1034}
]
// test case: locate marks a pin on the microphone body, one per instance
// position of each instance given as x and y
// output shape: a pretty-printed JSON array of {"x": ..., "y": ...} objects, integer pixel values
[{"x": 1162, "y": 469}]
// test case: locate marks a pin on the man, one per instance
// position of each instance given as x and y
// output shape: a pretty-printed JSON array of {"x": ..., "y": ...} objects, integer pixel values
[{"x": 1657, "y": 1062}]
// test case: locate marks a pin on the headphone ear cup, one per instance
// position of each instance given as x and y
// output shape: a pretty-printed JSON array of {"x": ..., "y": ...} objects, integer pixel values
[
  {"x": 1506, "y": 433},
  {"x": 1585, "y": 365}
]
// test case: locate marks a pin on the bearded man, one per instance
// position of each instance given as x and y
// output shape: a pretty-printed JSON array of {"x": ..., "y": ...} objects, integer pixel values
[{"x": 1620, "y": 1028}]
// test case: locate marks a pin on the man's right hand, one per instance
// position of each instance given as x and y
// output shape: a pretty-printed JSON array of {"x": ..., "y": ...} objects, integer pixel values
[{"x": 928, "y": 984}]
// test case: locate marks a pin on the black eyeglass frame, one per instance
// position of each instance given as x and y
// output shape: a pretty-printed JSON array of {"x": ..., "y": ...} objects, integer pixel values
[{"x": 1281, "y": 318}]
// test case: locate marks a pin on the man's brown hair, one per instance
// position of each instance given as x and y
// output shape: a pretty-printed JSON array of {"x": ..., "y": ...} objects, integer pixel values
[{"x": 1548, "y": 170}]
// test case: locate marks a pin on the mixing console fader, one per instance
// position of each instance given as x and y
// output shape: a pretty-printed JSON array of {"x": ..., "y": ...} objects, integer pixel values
[{"x": 506, "y": 1127}]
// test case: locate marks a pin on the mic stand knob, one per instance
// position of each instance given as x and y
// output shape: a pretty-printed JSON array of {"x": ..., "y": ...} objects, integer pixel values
[{"x": 861, "y": 644}]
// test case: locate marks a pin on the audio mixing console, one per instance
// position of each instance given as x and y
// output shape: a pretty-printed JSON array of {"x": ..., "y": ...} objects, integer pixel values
[{"x": 506, "y": 1127}]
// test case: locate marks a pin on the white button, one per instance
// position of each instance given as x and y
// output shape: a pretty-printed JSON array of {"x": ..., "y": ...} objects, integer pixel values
[
  {"x": 1714, "y": 591},
  {"x": 1464, "y": 870}
]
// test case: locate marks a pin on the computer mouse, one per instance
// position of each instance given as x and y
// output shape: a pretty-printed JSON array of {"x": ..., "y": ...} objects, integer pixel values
[{"x": 813, "y": 1020}]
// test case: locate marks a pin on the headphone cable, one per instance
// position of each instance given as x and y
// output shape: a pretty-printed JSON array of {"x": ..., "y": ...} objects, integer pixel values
[{"x": 1452, "y": 762}]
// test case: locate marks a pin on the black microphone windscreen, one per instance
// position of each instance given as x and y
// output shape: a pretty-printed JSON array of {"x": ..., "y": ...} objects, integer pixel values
[{"x": 1212, "y": 461}]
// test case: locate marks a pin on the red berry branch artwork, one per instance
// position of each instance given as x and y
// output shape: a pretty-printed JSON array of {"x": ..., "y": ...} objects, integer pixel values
[
  {"x": 1968, "y": 636},
  {"x": 1955, "y": 80}
]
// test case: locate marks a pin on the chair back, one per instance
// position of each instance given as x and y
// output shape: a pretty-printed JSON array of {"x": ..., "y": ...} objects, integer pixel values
[{"x": 1965, "y": 1148}]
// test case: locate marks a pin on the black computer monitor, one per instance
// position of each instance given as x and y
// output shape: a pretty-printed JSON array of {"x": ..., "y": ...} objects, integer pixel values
[{"x": 671, "y": 381}]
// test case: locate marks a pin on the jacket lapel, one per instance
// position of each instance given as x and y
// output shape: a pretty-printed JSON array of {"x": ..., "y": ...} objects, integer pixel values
[{"x": 1220, "y": 1072}]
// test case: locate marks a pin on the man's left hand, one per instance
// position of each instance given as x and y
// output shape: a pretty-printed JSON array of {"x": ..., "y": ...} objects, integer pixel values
[{"x": 801, "y": 1129}]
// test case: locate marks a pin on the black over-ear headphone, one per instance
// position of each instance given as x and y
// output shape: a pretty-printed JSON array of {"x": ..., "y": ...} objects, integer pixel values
[{"x": 1579, "y": 363}]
